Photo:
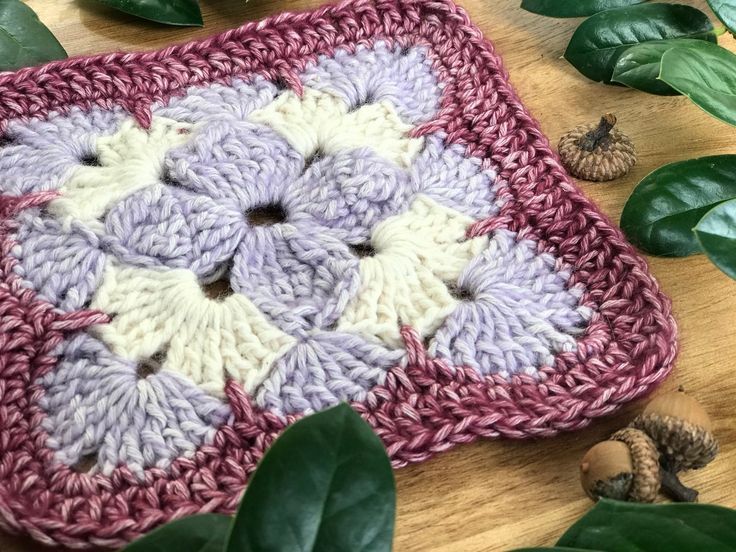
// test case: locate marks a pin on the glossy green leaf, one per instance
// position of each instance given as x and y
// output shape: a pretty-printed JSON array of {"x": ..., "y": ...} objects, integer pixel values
[
  {"x": 705, "y": 73},
  {"x": 639, "y": 66},
  {"x": 726, "y": 12},
  {"x": 631, "y": 527},
  {"x": 325, "y": 484},
  {"x": 200, "y": 533},
  {"x": 24, "y": 40},
  {"x": 170, "y": 12},
  {"x": 600, "y": 40},
  {"x": 574, "y": 8},
  {"x": 716, "y": 233},
  {"x": 667, "y": 204}
]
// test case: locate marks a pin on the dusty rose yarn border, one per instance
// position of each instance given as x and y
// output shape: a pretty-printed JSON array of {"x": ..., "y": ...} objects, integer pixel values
[{"x": 428, "y": 407}]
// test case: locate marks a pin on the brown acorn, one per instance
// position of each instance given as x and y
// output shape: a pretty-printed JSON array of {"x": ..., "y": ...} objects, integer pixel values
[
  {"x": 682, "y": 431},
  {"x": 626, "y": 467},
  {"x": 598, "y": 153}
]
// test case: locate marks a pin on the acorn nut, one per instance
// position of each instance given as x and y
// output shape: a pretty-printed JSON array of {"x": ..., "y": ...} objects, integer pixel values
[
  {"x": 598, "y": 153},
  {"x": 682, "y": 431},
  {"x": 626, "y": 467}
]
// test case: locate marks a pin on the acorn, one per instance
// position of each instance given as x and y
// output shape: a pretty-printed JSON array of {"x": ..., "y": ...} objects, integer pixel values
[
  {"x": 626, "y": 467},
  {"x": 598, "y": 153},
  {"x": 683, "y": 433}
]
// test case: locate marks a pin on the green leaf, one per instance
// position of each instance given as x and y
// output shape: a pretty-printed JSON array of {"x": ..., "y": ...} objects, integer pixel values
[
  {"x": 170, "y": 12},
  {"x": 600, "y": 40},
  {"x": 24, "y": 40},
  {"x": 705, "y": 73},
  {"x": 200, "y": 533},
  {"x": 631, "y": 527},
  {"x": 716, "y": 233},
  {"x": 574, "y": 8},
  {"x": 726, "y": 12},
  {"x": 667, "y": 204},
  {"x": 325, "y": 484},
  {"x": 638, "y": 67}
]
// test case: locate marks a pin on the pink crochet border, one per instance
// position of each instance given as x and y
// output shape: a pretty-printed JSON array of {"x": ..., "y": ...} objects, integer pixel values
[{"x": 423, "y": 409}]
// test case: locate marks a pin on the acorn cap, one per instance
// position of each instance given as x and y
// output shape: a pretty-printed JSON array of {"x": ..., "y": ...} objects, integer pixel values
[
  {"x": 645, "y": 459},
  {"x": 607, "y": 470},
  {"x": 682, "y": 430},
  {"x": 597, "y": 152}
]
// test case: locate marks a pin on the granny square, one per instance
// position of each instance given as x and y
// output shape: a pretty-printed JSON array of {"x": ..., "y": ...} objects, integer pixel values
[{"x": 200, "y": 245}]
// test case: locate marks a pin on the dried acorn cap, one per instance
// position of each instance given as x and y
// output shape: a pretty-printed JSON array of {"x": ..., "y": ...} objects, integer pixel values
[
  {"x": 645, "y": 459},
  {"x": 607, "y": 471},
  {"x": 598, "y": 153},
  {"x": 682, "y": 430}
]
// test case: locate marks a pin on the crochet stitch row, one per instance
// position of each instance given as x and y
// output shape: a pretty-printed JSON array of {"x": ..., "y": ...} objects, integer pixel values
[{"x": 512, "y": 232}]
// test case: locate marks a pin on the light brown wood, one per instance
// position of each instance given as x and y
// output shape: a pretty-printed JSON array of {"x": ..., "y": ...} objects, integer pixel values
[{"x": 495, "y": 496}]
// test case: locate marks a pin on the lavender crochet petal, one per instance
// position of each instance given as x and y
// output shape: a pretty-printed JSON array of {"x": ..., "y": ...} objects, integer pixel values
[
  {"x": 246, "y": 163},
  {"x": 323, "y": 370},
  {"x": 298, "y": 275},
  {"x": 166, "y": 226},
  {"x": 349, "y": 193},
  {"x": 450, "y": 178},
  {"x": 39, "y": 155},
  {"x": 219, "y": 101},
  {"x": 96, "y": 404},
  {"x": 402, "y": 77},
  {"x": 62, "y": 263},
  {"x": 521, "y": 312}
]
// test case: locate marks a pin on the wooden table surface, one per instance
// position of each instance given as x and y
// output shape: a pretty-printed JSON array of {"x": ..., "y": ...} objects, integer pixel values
[{"x": 498, "y": 495}]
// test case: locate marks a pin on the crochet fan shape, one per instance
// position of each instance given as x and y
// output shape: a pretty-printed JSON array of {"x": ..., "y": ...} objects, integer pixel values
[{"x": 202, "y": 244}]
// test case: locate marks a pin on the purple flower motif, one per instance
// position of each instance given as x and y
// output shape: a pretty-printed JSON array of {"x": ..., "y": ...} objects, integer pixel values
[
  {"x": 216, "y": 102},
  {"x": 63, "y": 263},
  {"x": 40, "y": 155},
  {"x": 175, "y": 228},
  {"x": 519, "y": 311},
  {"x": 402, "y": 77},
  {"x": 349, "y": 193},
  {"x": 323, "y": 370},
  {"x": 97, "y": 403}
]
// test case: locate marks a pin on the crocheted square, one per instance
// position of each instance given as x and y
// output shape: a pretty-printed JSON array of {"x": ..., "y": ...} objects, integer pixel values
[{"x": 199, "y": 245}]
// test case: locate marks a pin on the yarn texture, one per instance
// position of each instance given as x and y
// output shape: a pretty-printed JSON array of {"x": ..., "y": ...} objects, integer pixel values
[{"x": 202, "y": 244}]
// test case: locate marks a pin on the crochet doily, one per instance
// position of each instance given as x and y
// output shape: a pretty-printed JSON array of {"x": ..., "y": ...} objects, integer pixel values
[{"x": 201, "y": 244}]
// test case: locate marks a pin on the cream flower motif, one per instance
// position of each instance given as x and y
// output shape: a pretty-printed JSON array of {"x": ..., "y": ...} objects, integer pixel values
[
  {"x": 417, "y": 254},
  {"x": 157, "y": 311},
  {"x": 320, "y": 122},
  {"x": 129, "y": 160}
]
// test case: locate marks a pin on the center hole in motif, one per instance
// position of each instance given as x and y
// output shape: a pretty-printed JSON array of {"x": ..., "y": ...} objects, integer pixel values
[
  {"x": 267, "y": 215},
  {"x": 90, "y": 160},
  {"x": 362, "y": 250},
  {"x": 219, "y": 289},
  {"x": 151, "y": 365},
  {"x": 459, "y": 293}
]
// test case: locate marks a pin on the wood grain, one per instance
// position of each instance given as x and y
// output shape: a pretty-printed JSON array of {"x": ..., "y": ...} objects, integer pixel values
[{"x": 495, "y": 496}]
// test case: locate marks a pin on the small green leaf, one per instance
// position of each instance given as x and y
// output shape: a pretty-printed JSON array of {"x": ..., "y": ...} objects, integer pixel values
[
  {"x": 574, "y": 8},
  {"x": 632, "y": 527},
  {"x": 716, "y": 233},
  {"x": 169, "y": 12},
  {"x": 600, "y": 40},
  {"x": 200, "y": 533},
  {"x": 24, "y": 40},
  {"x": 325, "y": 484},
  {"x": 663, "y": 209},
  {"x": 639, "y": 66},
  {"x": 726, "y": 12},
  {"x": 705, "y": 73}
]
